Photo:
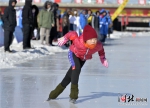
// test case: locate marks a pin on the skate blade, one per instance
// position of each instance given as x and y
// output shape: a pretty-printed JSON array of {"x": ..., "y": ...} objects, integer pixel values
[{"x": 72, "y": 101}]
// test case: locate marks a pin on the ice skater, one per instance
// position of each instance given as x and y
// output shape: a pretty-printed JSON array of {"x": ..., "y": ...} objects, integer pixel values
[{"x": 82, "y": 49}]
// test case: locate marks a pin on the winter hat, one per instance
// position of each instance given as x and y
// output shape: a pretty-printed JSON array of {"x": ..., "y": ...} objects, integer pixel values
[
  {"x": 10, "y": 2},
  {"x": 89, "y": 33},
  {"x": 102, "y": 11}
]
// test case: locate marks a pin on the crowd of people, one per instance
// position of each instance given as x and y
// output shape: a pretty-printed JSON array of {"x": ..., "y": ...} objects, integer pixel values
[{"x": 48, "y": 23}]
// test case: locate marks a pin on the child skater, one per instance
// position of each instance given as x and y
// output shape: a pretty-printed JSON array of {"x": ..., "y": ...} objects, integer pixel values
[{"x": 82, "y": 49}]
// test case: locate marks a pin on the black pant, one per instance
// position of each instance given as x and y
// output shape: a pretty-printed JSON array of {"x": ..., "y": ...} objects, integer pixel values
[
  {"x": 8, "y": 36},
  {"x": 103, "y": 38},
  {"x": 73, "y": 75},
  {"x": 53, "y": 34},
  {"x": 27, "y": 34}
]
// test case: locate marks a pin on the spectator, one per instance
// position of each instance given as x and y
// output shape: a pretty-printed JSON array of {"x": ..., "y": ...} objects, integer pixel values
[
  {"x": 110, "y": 26},
  {"x": 35, "y": 12},
  {"x": 9, "y": 24},
  {"x": 83, "y": 20},
  {"x": 27, "y": 22},
  {"x": 95, "y": 23},
  {"x": 104, "y": 23},
  {"x": 55, "y": 29},
  {"x": 46, "y": 22}
]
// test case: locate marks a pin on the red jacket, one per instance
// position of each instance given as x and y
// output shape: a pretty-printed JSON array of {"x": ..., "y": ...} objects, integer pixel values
[{"x": 79, "y": 49}]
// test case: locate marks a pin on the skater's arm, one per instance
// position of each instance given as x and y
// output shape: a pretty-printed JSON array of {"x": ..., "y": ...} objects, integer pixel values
[
  {"x": 71, "y": 35},
  {"x": 101, "y": 52},
  {"x": 102, "y": 57}
]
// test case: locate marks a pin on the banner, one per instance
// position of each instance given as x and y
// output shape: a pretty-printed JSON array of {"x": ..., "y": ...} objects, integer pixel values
[
  {"x": 1, "y": 37},
  {"x": 142, "y": 2},
  {"x": 120, "y": 1},
  {"x": 37, "y": 1},
  {"x": 119, "y": 10},
  {"x": 78, "y": 1},
  {"x": 57, "y": 1},
  {"x": 18, "y": 34},
  {"x": 100, "y": 1}
]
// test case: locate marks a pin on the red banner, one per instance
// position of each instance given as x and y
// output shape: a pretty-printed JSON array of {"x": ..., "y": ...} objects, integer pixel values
[
  {"x": 120, "y": 1},
  {"x": 78, "y": 1},
  {"x": 122, "y": 21},
  {"x": 142, "y": 2},
  {"x": 37, "y": 1},
  {"x": 100, "y": 1},
  {"x": 127, "y": 20},
  {"x": 57, "y": 1}
]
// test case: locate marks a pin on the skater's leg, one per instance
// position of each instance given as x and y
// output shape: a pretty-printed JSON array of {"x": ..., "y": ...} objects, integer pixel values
[
  {"x": 55, "y": 93},
  {"x": 59, "y": 89},
  {"x": 67, "y": 78},
  {"x": 75, "y": 77}
]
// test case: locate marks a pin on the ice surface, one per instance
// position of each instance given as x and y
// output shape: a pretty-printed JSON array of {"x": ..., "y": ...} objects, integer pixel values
[{"x": 28, "y": 85}]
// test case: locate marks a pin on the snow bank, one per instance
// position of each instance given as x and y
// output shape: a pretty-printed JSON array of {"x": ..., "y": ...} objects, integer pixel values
[{"x": 8, "y": 60}]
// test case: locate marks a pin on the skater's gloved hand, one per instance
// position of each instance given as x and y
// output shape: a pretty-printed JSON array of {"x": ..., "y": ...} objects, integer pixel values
[
  {"x": 62, "y": 41},
  {"x": 104, "y": 61}
]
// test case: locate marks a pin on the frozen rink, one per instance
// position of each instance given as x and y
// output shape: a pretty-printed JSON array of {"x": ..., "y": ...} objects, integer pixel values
[{"x": 29, "y": 85}]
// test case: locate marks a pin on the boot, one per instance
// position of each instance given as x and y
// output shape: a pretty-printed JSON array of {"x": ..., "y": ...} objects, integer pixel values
[
  {"x": 54, "y": 94},
  {"x": 74, "y": 91}
]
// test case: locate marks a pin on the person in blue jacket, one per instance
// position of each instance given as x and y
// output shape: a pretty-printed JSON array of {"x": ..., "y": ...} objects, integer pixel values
[
  {"x": 104, "y": 22},
  {"x": 1, "y": 22},
  {"x": 110, "y": 26},
  {"x": 83, "y": 20}
]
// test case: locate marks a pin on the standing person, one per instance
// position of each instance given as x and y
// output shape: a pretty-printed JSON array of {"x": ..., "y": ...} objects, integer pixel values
[
  {"x": 1, "y": 22},
  {"x": 9, "y": 24},
  {"x": 35, "y": 12},
  {"x": 55, "y": 29},
  {"x": 110, "y": 26},
  {"x": 83, "y": 20},
  {"x": 82, "y": 49},
  {"x": 77, "y": 22},
  {"x": 46, "y": 22},
  {"x": 95, "y": 23},
  {"x": 89, "y": 17},
  {"x": 104, "y": 23},
  {"x": 65, "y": 27},
  {"x": 27, "y": 22}
]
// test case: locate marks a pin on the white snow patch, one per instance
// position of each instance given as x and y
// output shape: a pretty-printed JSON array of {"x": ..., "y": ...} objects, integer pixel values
[{"x": 8, "y": 60}]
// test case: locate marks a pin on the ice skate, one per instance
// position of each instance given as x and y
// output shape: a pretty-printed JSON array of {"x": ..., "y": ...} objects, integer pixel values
[{"x": 72, "y": 101}]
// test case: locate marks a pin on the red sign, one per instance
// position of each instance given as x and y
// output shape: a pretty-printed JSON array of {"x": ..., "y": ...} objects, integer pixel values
[
  {"x": 142, "y": 2},
  {"x": 100, "y": 1},
  {"x": 127, "y": 20},
  {"x": 122, "y": 21},
  {"x": 78, "y": 1},
  {"x": 120, "y": 1},
  {"x": 57, "y": 1},
  {"x": 37, "y": 1}
]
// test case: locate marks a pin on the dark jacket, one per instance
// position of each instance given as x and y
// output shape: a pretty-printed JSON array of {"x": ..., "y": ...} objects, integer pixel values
[
  {"x": 95, "y": 21},
  {"x": 27, "y": 16},
  {"x": 9, "y": 17},
  {"x": 35, "y": 24}
]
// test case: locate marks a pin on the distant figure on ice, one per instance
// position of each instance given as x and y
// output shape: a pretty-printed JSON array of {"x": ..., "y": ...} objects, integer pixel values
[
  {"x": 9, "y": 24},
  {"x": 27, "y": 22},
  {"x": 104, "y": 23},
  {"x": 82, "y": 49}
]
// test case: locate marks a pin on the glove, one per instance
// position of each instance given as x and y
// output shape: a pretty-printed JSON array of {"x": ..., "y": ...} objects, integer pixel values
[
  {"x": 62, "y": 41},
  {"x": 104, "y": 61}
]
